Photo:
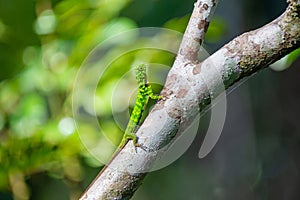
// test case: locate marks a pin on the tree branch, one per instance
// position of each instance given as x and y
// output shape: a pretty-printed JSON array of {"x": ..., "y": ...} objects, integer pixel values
[
  {"x": 186, "y": 92},
  {"x": 196, "y": 29}
]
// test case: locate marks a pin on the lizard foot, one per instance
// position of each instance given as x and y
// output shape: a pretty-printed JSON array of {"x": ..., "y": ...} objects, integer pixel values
[{"x": 134, "y": 138}]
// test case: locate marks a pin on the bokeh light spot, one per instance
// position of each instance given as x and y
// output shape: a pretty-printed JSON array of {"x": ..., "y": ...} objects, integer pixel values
[
  {"x": 46, "y": 23},
  {"x": 66, "y": 126}
]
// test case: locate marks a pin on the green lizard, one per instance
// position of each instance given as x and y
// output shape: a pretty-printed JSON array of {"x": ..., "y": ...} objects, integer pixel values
[{"x": 144, "y": 93}]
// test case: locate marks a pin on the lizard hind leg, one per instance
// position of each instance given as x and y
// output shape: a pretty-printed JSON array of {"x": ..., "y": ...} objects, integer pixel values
[
  {"x": 134, "y": 138},
  {"x": 127, "y": 137},
  {"x": 131, "y": 136}
]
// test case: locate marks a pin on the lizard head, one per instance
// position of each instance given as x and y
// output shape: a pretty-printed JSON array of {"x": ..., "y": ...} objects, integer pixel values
[{"x": 140, "y": 71}]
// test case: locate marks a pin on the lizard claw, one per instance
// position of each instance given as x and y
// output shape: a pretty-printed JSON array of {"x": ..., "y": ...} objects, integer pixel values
[
  {"x": 136, "y": 144},
  {"x": 134, "y": 138}
]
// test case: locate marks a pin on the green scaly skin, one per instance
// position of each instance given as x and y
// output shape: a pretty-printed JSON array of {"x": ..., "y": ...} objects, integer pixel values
[{"x": 144, "y": 93}]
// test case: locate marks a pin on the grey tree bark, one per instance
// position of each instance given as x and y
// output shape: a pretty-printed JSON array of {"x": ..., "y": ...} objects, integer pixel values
[{"x": 186, "y": 93}]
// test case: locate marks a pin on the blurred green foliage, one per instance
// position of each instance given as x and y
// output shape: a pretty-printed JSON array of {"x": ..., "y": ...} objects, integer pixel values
[
  {"x": 286, "y": 61},
  {"x": 42, "y": 44}
]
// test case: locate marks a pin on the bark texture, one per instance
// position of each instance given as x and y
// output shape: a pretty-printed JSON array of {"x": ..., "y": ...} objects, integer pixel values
[{"x": 190, "y": 86}]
